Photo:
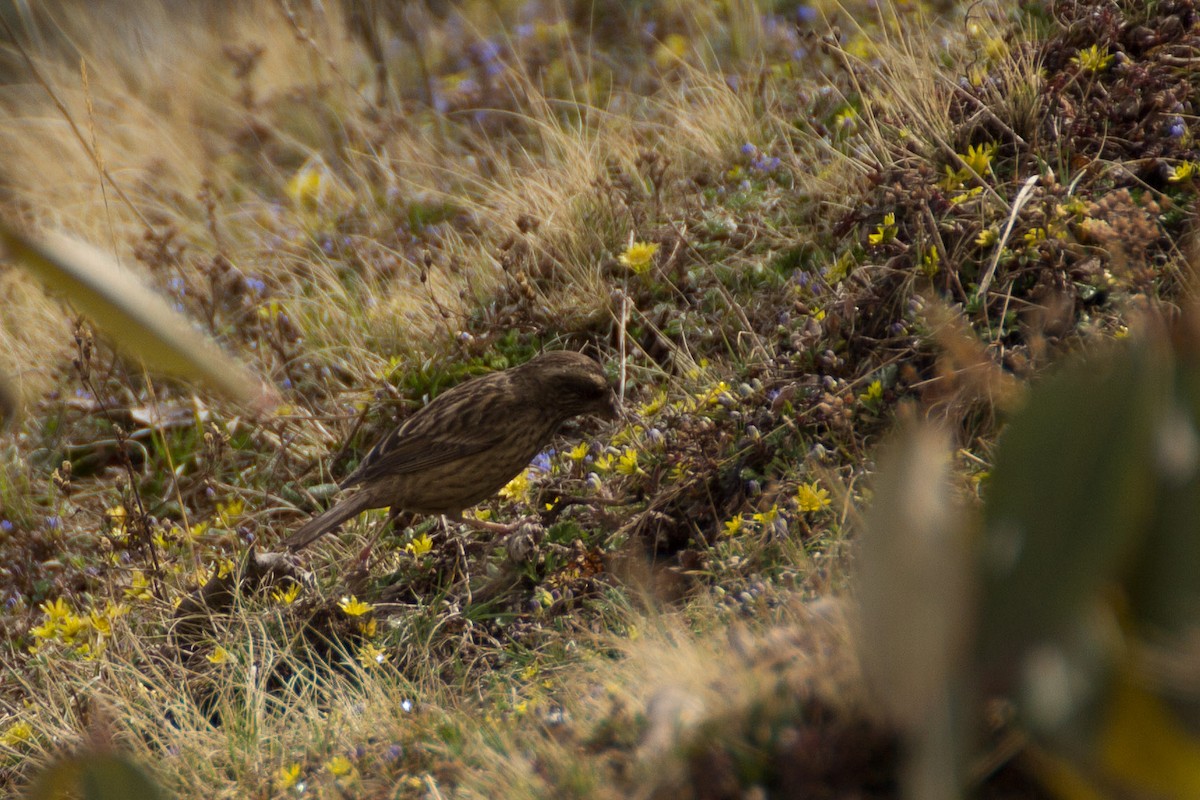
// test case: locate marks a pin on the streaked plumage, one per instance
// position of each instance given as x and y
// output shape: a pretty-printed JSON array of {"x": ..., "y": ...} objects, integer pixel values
[{"x": 469, "y": 441}]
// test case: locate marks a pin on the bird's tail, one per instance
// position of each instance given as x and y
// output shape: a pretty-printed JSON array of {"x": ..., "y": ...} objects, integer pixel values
[{"x": 330, "y": 520}]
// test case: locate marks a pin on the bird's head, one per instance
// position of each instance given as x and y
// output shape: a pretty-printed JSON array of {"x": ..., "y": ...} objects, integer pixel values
[{"x": 573, "y": 383}]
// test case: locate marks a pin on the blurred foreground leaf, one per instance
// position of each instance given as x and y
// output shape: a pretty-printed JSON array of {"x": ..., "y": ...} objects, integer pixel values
[
  {"x": 1071, "y": 493},
  {"x": 133, "y": 317},
  {"x": 94, "y": 776}
]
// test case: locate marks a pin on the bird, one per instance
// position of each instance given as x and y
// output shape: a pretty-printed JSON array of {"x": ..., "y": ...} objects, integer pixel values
[{"x": 469, "y": 441}]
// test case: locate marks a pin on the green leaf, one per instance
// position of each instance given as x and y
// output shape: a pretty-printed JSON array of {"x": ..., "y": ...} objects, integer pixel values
[
  {"x": 1070, "y": 497},
  {"x": 94, "y": 776}
]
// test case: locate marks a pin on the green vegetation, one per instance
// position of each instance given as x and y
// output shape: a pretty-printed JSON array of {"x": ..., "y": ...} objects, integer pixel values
[{"x": 787, "y": 229}]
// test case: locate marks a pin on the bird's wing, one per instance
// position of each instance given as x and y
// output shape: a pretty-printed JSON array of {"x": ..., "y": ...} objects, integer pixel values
[{"x": 450, "y": 428}]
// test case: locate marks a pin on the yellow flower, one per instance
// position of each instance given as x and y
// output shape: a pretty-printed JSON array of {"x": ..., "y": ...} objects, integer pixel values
[
  {"x": 603, "y": 463},
  {"x": 627, "y": 463},
  {"x": 670, "y": 50},
  {"x": 979, "y": 158},
  {"x": 47, "y": 630},
  {"x": 220, "y": 656},
  {"x": 767, "y": 518},
  {"x": 884, "y": 232},
  {"x": 307, "y": 188},
  {"x": 70, "y": 627},
  {"x": 116, "y": 520},
  {"x": 579, "y": 452},
  {"x": 847, "y": 119},
  {"x": 100, "y": 623},
  {"x": 353, "y": 607},
  {"x": 371, "y": 656},
  {"x": 1183, "y": 172},
  {"x": 974, "y": 191},
  {"x": 810, "y": 497},
  {"x": 638, "y": 257},
  {"x": 873, "y": 394},
  {"x": 16, "y": 734},
  {"x": 987, "y": 237},
  {"x": 285, "y": 597},
  {"x": 517, "y": 490},
  {"x": 1093, "y": 59},
  {"x": 56, "y": 610},
  {"x": 931, "y": 261},
  {"x": 287, "y": 777},
  {"x": 419, "y": 546},
  {"x": 734, "y": 526},
  {"x": 953, "y": 179},
  {"x": 368, "y": 628},
  {"x": 339, "y": 766},
  {"x": 654, "y": 405},
  {"x": 228, "y": 513}
]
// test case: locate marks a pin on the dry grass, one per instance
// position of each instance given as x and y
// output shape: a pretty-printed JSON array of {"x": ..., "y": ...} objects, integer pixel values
[{"x": 683, "y": 632}]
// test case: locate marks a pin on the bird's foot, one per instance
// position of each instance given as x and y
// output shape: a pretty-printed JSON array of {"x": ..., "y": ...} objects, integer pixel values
[{"x": 492, "y": 527}]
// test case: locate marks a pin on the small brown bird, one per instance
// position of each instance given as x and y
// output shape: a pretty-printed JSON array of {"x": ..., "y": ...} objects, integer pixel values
[{"x": 470, "y": 441}]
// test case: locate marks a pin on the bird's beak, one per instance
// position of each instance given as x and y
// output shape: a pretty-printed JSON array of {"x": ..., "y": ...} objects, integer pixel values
[{"x": 613, "y": 410}]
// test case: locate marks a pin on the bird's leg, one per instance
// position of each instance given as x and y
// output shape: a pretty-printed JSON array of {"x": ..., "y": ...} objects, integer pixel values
[{"x": 485, "y": 525}]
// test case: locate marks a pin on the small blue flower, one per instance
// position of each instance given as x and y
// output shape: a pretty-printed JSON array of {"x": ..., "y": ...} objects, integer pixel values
[
  {"x": 541, "y": 462},
  {"x": 177, "y": 285},
  {"x": 256, "y": 285},
  {"x": 286, "y": 383},
  {"x": 806, "y": 14},
  {"x": 1176, "y": 128},
  {"x": 765, "y": 164},
  {"x": 394, "y": 752},
  {"x": 54, "y": 523},
  {"x": 485, "y": 50},
  {"x": 749, "y": 149},
  {"x": 6, "y": 526}
]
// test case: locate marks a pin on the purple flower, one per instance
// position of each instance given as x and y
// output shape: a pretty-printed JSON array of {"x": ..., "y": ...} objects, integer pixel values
[
  {"x": 256, "y": 285},
  {"x": 806, "y": 15},
  {"x": 54, "y": 523},
  {"x": 765, "y": 164},
  {"x": 1176, "y": 128},
  {"x": 485, "y": 50},
  {"x": 6, "y": 526},
  {"x": 749, "y": 149},
  {"x": 541, "y": 462}
]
